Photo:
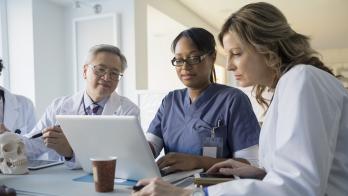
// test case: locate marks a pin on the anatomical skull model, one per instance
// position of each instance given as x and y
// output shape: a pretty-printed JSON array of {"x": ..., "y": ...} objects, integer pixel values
[{"x": 12, "y": 154}]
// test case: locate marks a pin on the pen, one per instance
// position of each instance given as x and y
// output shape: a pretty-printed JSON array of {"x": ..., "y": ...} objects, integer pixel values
[
  {"x": 36, "y": 135},
  {"x": 40, "y": 134},
  {"x": 138, "y": 187}
]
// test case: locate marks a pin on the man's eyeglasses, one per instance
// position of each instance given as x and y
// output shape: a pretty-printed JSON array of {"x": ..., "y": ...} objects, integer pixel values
[
  {"x": 193, "y": 60},
  {"x": 100, "y": 71}
]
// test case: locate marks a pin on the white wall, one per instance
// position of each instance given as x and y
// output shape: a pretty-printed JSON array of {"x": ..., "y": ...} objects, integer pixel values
[
  {"x": 51, "y": 72},
  {"x": 140, "y": 38},
  {"x": 161, "y": 74},
  {"x": 335, "y": 57},
  {"x": 21, "y": 47},
  {"x": 36, "y": 51}
]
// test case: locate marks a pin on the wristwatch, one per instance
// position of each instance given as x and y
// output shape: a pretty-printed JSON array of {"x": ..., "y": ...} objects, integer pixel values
[{"x": 198, "y": 191}]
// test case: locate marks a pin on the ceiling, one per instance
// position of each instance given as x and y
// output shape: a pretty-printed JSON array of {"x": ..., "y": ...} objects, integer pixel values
[{"x": 325, "y": 21}]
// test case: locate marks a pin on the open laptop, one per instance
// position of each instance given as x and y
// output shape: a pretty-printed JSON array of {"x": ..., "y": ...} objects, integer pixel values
[{"x": 120, "y": 136}]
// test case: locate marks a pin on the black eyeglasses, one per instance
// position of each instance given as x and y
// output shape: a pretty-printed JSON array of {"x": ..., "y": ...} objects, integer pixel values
[
  {"x": 193, "y": 60},
  {"x": 100, "y": 71}
]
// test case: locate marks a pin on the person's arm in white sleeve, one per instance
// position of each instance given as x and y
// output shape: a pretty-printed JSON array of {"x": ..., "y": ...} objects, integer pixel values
[{"x": 36, "y": 148}]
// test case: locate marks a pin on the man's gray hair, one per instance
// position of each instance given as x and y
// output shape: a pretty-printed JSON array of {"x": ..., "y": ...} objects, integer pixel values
[{"x": 106, "y": 48}]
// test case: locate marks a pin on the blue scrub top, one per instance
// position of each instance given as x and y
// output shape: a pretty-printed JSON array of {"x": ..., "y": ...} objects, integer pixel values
[{"x": 183, "y": 126}]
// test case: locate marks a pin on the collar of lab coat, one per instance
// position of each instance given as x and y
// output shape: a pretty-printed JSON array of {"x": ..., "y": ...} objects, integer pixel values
[
  {"x": 11, "y": 109},
  {"x": 112, "y": 105}
]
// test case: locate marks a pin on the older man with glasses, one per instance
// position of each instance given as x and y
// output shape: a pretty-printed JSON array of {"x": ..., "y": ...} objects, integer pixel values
[{"x": 102, "y": 71}]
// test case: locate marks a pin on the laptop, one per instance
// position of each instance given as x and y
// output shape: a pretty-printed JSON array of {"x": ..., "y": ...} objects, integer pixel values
[{"x": 120, "y": 136}]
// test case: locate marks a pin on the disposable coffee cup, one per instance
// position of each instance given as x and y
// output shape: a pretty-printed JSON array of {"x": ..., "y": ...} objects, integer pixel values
[{"x": 104, "y": 173}]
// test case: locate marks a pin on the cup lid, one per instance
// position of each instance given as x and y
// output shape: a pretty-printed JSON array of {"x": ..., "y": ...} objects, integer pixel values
[{"x": 110, "y": 158}]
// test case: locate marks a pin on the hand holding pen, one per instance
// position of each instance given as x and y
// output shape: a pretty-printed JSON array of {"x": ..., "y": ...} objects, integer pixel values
[
  {"x": 55, "y": 139},
  {"x": 36, "y": 135},
  {"x": 137, "y": 187},
  {"x": 39, "y": 134}
]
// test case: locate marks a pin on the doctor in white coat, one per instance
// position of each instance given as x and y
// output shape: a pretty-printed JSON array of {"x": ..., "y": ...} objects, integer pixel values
[
  {"x": 303, "y": 141},
  {"x": 17, "y": 113},
  {"x": 104, "y": 67}
]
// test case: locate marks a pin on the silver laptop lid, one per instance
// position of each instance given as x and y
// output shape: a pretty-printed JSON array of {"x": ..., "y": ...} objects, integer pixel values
[{"x": 104, "y": 136}]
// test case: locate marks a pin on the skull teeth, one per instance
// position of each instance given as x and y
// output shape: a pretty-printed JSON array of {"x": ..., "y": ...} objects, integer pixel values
[{"x": 17, "y": 163}]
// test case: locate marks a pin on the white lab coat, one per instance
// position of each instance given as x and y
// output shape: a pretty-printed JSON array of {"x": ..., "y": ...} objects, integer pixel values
[
  {"x": 69, "y": 105},
  {"x": 19, "y": 113},
  {"x": 303, "y": 141}
]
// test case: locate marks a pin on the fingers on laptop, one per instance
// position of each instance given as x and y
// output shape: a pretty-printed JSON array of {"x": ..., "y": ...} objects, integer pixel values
[
  {"x": 177, "y": 162},
  {"x": 165, "y": 161},
  {"x": 230, "y": 163}
]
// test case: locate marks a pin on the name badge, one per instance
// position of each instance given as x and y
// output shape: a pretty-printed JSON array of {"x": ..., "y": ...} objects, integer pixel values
[
  {"x": 209, "y": 151},
  {"x": 213, "y": 146}
]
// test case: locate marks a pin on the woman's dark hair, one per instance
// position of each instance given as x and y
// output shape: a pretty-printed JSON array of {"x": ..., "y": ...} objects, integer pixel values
[
  {"x": 265, "y": 28},
  {"x": 204, "y": 42}
]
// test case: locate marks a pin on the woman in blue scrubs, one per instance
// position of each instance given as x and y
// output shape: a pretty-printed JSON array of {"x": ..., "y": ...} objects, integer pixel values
[{"x": 206, "y": 122}]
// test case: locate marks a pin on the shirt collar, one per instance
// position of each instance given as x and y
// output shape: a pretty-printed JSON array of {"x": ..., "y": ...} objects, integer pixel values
[{"x": 88, "y": 101}]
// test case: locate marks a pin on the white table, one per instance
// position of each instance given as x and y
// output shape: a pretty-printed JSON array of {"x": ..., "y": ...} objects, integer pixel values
[{"x": 54, "y": 181}]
